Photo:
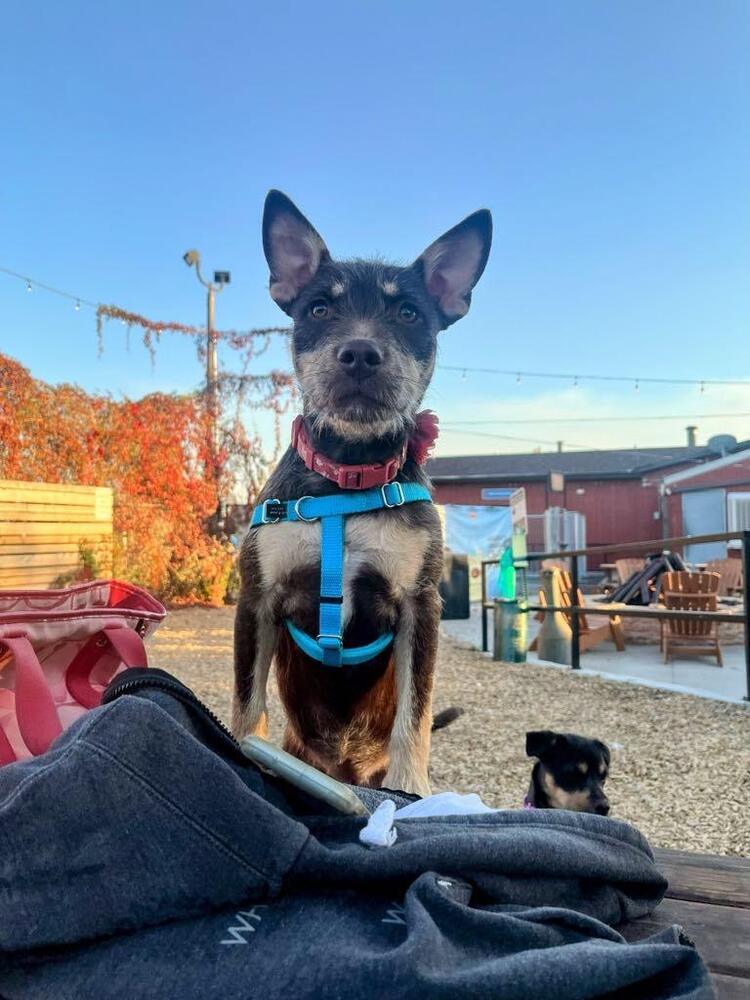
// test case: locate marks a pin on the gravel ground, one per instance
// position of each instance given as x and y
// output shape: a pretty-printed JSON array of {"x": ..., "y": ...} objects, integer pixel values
[{"x": 680, "y": 765}]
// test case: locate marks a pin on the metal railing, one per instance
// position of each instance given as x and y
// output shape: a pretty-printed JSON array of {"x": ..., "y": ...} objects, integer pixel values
[{"x": 625, "y": 611}]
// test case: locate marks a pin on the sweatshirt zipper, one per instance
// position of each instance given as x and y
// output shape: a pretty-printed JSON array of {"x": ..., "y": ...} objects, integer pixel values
[
  {"x": 174, "y": 687},
  {"x": 152, "y": 677}
]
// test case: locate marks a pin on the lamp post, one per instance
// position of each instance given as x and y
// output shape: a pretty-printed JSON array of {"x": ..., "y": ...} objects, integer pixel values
[{"x": 221, "y": 278}]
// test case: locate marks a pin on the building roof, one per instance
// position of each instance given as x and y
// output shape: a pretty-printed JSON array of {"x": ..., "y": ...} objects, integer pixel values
[
  {"x": 740, "y": 458},
  {"x": 628, "y": 463}
]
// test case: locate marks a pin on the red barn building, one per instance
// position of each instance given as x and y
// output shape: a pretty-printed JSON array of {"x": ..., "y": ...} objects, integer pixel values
[{"x": 619, "y": 492}]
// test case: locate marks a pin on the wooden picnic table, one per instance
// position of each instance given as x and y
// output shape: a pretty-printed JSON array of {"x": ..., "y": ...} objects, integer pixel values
[{"x": 709, "y": 896}]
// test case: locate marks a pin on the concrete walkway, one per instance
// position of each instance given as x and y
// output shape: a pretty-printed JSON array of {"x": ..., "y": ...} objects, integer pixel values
[{"x": 639, "y": 664}]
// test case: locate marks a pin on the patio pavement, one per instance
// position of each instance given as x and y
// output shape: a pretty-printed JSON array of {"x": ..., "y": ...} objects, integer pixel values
[{"x": 639, "y": 664}]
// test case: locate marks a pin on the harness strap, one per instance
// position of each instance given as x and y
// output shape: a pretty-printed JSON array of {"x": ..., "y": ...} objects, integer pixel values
[
  {"x": 330, "y": 638},
  {"x": 328, "y": 648},
  {"x": 314, "y": 508},
  {"x": 349, "y": 657}
]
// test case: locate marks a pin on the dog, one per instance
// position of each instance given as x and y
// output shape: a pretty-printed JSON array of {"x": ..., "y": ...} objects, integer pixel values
[
  {"x": 569, "y": 773},
  {"x": 364, "y": 342}
]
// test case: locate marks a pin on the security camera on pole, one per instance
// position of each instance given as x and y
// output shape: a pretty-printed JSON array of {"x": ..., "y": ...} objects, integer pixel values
[{"x": 221, "y": 278}]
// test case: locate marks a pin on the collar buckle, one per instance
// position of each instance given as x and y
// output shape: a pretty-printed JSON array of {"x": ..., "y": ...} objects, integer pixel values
[{"x": 350, "y": 477}]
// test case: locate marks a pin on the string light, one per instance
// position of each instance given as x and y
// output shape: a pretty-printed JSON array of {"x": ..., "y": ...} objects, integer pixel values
[
  {"x": 608, "y": 419},
  {"x": 237, "y": 339},
  {"x": 577, "y": 379},
  {"x": 47, "y": 288},
  {"x": 701, "y": 384}
]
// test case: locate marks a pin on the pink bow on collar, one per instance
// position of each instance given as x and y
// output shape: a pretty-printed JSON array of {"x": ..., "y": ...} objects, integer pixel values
[{"x": 425, "y": 435}]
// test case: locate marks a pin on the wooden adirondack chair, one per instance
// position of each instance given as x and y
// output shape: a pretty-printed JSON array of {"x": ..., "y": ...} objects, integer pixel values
[
  {"x": 626, "y": 567},
  {"x": 566, "y": 585},
  {"x": 589, "y": 635},
  {"x": 683, "y": 591},
  {"x": 730, "y": 574}
]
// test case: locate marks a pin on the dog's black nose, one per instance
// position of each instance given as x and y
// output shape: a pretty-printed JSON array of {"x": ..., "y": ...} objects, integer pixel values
[
  {"x": 602, "y": 809},
  {"x": 360, "y": 358}
]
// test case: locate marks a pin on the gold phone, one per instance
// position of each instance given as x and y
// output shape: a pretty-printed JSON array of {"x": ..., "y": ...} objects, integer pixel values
[{"x": 308, "y": 779}]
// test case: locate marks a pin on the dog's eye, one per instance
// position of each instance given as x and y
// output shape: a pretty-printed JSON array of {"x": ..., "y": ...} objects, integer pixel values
[
  {"x": 407, "y": 313},
  {"x": 319, "y": 309}
]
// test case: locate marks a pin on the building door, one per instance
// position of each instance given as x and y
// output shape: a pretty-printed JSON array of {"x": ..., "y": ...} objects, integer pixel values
[{"x": 703, "y": 513}]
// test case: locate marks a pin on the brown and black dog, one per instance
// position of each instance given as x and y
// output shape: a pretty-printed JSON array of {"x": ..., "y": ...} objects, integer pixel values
[
  {"x": 569, "y": 773},
  {"x": 363, "y": 345}
]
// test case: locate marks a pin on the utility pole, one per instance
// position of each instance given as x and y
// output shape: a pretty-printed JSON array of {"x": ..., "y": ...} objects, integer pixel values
[{"x": 213, "y": 288}]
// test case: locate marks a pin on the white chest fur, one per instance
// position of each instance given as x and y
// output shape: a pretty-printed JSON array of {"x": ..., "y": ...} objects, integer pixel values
[{"x": 374, "y": 542}]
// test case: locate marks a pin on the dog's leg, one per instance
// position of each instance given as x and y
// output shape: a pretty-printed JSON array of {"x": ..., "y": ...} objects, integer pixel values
[
  {"x": 414, "y": 653},
  {"x": 254, "y": 646}
]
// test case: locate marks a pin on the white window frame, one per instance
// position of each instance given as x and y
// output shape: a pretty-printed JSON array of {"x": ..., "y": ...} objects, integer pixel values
[{"x": 738, "y": 514}]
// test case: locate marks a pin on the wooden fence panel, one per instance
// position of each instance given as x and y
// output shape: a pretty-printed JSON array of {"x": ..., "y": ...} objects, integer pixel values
[{"x": 42, "y": 527}]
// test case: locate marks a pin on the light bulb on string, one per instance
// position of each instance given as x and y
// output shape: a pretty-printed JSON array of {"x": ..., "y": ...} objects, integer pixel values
[
  {"x": 518, "y": 377},
  {"x": 575, "y": 382},
  {"x": 77, "y": 306},
  {"x": 703, "y": 387},
  {"x": 463, "y": 375},
  {"x": 28, "y": 287},
  {"x": 637, "y": 386}
]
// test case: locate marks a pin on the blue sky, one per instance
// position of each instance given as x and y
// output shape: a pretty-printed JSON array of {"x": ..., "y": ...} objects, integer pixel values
[{"x": 611, "y": 141}]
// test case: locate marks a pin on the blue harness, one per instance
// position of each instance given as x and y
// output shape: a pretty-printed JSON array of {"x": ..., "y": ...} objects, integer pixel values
[{"x": 331, "y": 511}]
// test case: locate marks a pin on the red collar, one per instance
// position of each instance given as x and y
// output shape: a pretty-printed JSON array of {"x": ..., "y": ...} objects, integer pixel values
[{"x": 364, "y": 477}]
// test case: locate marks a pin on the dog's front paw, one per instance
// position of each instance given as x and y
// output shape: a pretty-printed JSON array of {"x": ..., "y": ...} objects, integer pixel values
[{"x": 412, "y": 784}]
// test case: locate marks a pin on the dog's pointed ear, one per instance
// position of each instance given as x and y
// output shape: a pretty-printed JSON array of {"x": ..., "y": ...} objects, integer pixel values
[
  {"x": 453, "y": 264},
  {"x": 540, "y": 742},
  {"x": 293, "y": 248},
  {"x": 604, "y": 751}
]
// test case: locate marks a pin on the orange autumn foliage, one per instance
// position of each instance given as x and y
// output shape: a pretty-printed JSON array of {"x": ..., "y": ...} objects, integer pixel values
[{"x": 151, "y": 452}]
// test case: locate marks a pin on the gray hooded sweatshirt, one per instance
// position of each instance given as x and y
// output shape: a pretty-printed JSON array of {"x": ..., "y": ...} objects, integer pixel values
[{"x": 144, "y": 857}]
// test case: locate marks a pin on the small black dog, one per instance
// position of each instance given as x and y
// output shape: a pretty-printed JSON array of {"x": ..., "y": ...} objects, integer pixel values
[{"x": 569, "y": 773}]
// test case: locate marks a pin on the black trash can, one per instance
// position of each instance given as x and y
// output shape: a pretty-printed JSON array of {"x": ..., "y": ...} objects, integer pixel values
[{"x": 454, "y": 587}]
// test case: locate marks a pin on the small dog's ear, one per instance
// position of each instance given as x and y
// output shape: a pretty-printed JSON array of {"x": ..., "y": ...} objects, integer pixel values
[
  {"x": 604, "y": 750},
  {"x": 293, "y": 249},
  {"x": 453, "y": 264},
  {"x": 539, "y": 742}
]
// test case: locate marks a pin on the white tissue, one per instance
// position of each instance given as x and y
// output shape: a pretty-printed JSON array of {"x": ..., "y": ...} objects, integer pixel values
[{"x": 380, "y": 831}]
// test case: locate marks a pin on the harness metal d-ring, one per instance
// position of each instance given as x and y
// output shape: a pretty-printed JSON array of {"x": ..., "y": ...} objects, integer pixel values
[
  {"x": 400, "y": 500},
  {"x": 298, "y": 513}
]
